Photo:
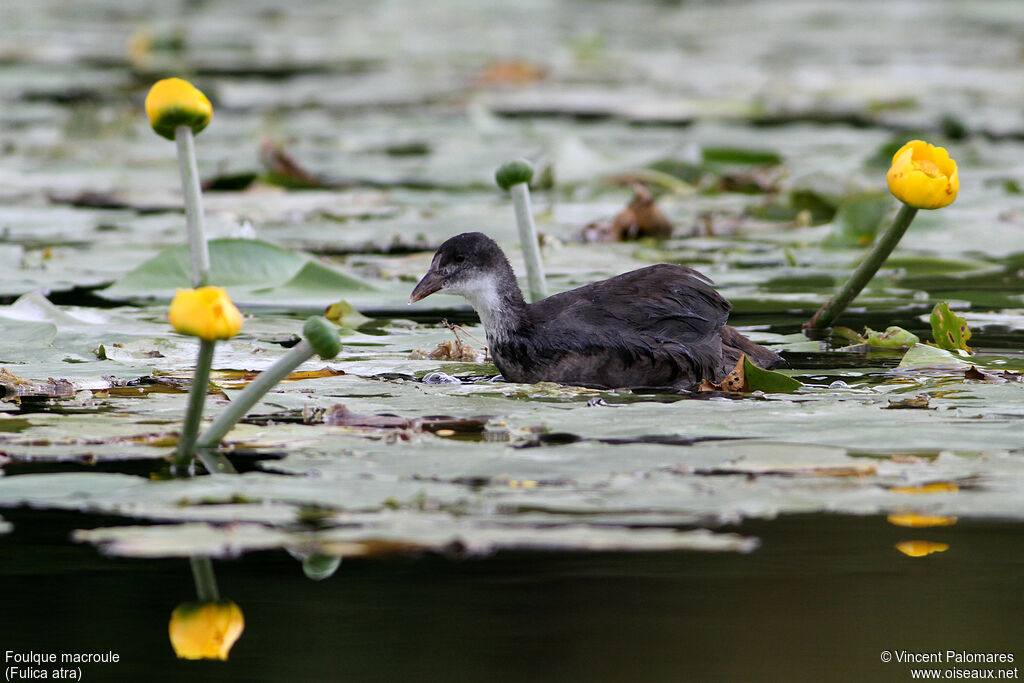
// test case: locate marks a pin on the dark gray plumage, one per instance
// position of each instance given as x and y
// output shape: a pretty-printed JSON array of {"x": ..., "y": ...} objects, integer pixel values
[{"x": 660, "y": 326}]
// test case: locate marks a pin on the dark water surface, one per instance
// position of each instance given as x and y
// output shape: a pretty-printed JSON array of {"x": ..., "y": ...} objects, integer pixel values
[{"x": 821, "y": 599}]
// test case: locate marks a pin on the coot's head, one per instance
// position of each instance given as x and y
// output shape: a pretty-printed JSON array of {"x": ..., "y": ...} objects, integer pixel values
[{"x": 466, "y": 264}]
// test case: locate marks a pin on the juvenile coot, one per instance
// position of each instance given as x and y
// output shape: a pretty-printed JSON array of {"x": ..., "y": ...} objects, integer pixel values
[{"x": 660, "y": 326}]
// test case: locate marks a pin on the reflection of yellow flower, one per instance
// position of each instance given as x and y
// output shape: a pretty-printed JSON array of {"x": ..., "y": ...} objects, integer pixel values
[
  {"x": 205, "y": 630},
  {"x": 921, "y": 548},
  {"x": 174, "y": 102},
  {"x": 912, "y": 519},
  {"x": 206, "y": 313},
  {"x": 923, "y": 176}
]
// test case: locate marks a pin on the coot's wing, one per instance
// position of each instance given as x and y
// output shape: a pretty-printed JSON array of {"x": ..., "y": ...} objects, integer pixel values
[
  {"x": 661, "y": 316},
  {"x": 663, "y": 302}
]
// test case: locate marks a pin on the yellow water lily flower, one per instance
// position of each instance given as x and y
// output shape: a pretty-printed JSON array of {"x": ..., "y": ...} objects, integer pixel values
[
  {"x": 174, "y": 102},
  {"x": 923, "y": 176},
  {"x": 206, "y": 312},
  {"x": 205, "y": 630}
]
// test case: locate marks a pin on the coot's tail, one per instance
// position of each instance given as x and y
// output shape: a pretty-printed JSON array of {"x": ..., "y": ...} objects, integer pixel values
[{"x": 734, "y": 345}]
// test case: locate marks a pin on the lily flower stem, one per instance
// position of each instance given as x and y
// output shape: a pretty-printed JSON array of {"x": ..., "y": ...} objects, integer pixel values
[
  {"x": 199, "y": 252},
  {"x": 196, "y": 400},
  {"x": 834, "y": 307},
  {"x": 205, "y": 579},
  {"x": 244, "y": 402},
  {"x": 528, "y": 240}
]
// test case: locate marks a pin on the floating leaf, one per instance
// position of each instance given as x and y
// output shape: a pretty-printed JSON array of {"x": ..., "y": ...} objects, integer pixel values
[
  {"x": 858, "y": 219},
  {"x": 343, "y": 313},
  {"x": 914, "y": 402},
  {"x": 747, "y": 377},
  {"x": 949, "y": 329},
  {"x": 768, "y": 381},
  {"x": 641, "y": 218},
  {"x": 894, "y": 337},
  {"x": 925, "y": 356},
  {"x": 249, "y": 269}
]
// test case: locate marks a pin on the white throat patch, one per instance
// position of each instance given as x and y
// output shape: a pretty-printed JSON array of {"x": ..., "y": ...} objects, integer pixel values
[{"x": 483, "y": 295}]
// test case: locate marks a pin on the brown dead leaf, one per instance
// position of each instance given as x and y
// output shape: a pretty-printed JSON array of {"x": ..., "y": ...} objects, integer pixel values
[
  {"x": 313, "y": 374},
  {"x": 15, "y": 387},
  {"x": 642, "y": 218},
  {"x": 452, "y": 350},
  {"x": 914, "y": 402},
  {"x": 734, "y": 383},
  {"x": 449, "y": 350},
  {"x": 510, "y": 72},
  {"x": 974, "y": 372},
  {"x": 283, "y": 169}
]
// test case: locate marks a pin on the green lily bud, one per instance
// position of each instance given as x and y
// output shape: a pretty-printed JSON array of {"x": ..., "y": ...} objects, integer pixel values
[
  {"x": 322, "y": 336},
  {"x": 513, "y": 173}
]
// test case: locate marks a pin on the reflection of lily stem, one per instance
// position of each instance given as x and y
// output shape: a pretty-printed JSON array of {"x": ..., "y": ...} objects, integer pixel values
[
  {"x": 205, "y": 579},
  {"x": 198, "y": 251},
  {"x": 196, "y": 399},
  {"x": 835, "y": 306},
  {"x": 214, "y": 462},
  {"x": 248, "y": 397},
  {"x": 528, "y": 239}
]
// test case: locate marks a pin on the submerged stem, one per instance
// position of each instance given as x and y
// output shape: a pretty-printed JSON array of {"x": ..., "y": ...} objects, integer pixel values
[
  {"x": 835, "y": 306},
  {"x": 199, "y": 253},
  {"x": 528, "y": 240},
  {"x": 196, "y": 400},
  {"x": 244, "y": 402}
]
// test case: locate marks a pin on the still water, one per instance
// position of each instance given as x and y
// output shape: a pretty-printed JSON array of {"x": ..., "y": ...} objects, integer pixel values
[{"x": 820, "y": 600}]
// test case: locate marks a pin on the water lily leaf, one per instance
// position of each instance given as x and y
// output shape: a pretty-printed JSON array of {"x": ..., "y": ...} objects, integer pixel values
[
  {"x": 247, "y": 268},
  {"x": 913, "y": 403},
  {"x": 858, "y": 219},
  {"x": 746, "y": 377},
  {"x": 15, "y": 335},
  {"x": 768, "y": 381},
  {"x": 925, "y": 356},
  {"x": 737, "y": 155},
  {"x": 894, "y": 337},
  {"x": 949, "y": 329},
  {"x": 342, "y": 313}
]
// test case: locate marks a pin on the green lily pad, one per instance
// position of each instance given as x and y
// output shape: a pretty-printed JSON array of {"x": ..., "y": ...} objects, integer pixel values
[
  {"x": 251, "y": 270},
  {"x": 894, "y": 337},
  {"x": 858, "y": 219},
  {"x": 949, "y": 329},
  {"x": 925, "y": 356},
  {"x": 768, "y": 381}
]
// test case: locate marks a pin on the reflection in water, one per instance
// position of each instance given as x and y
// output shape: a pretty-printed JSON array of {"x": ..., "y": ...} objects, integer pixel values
[
  {"x": 921, "y": 548},
  {"x": 208, "y": 628},
  {"x": 205, "y": 630},
  {"x": 316, "y": 566},
  {"x": 912, "y": 519}
]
